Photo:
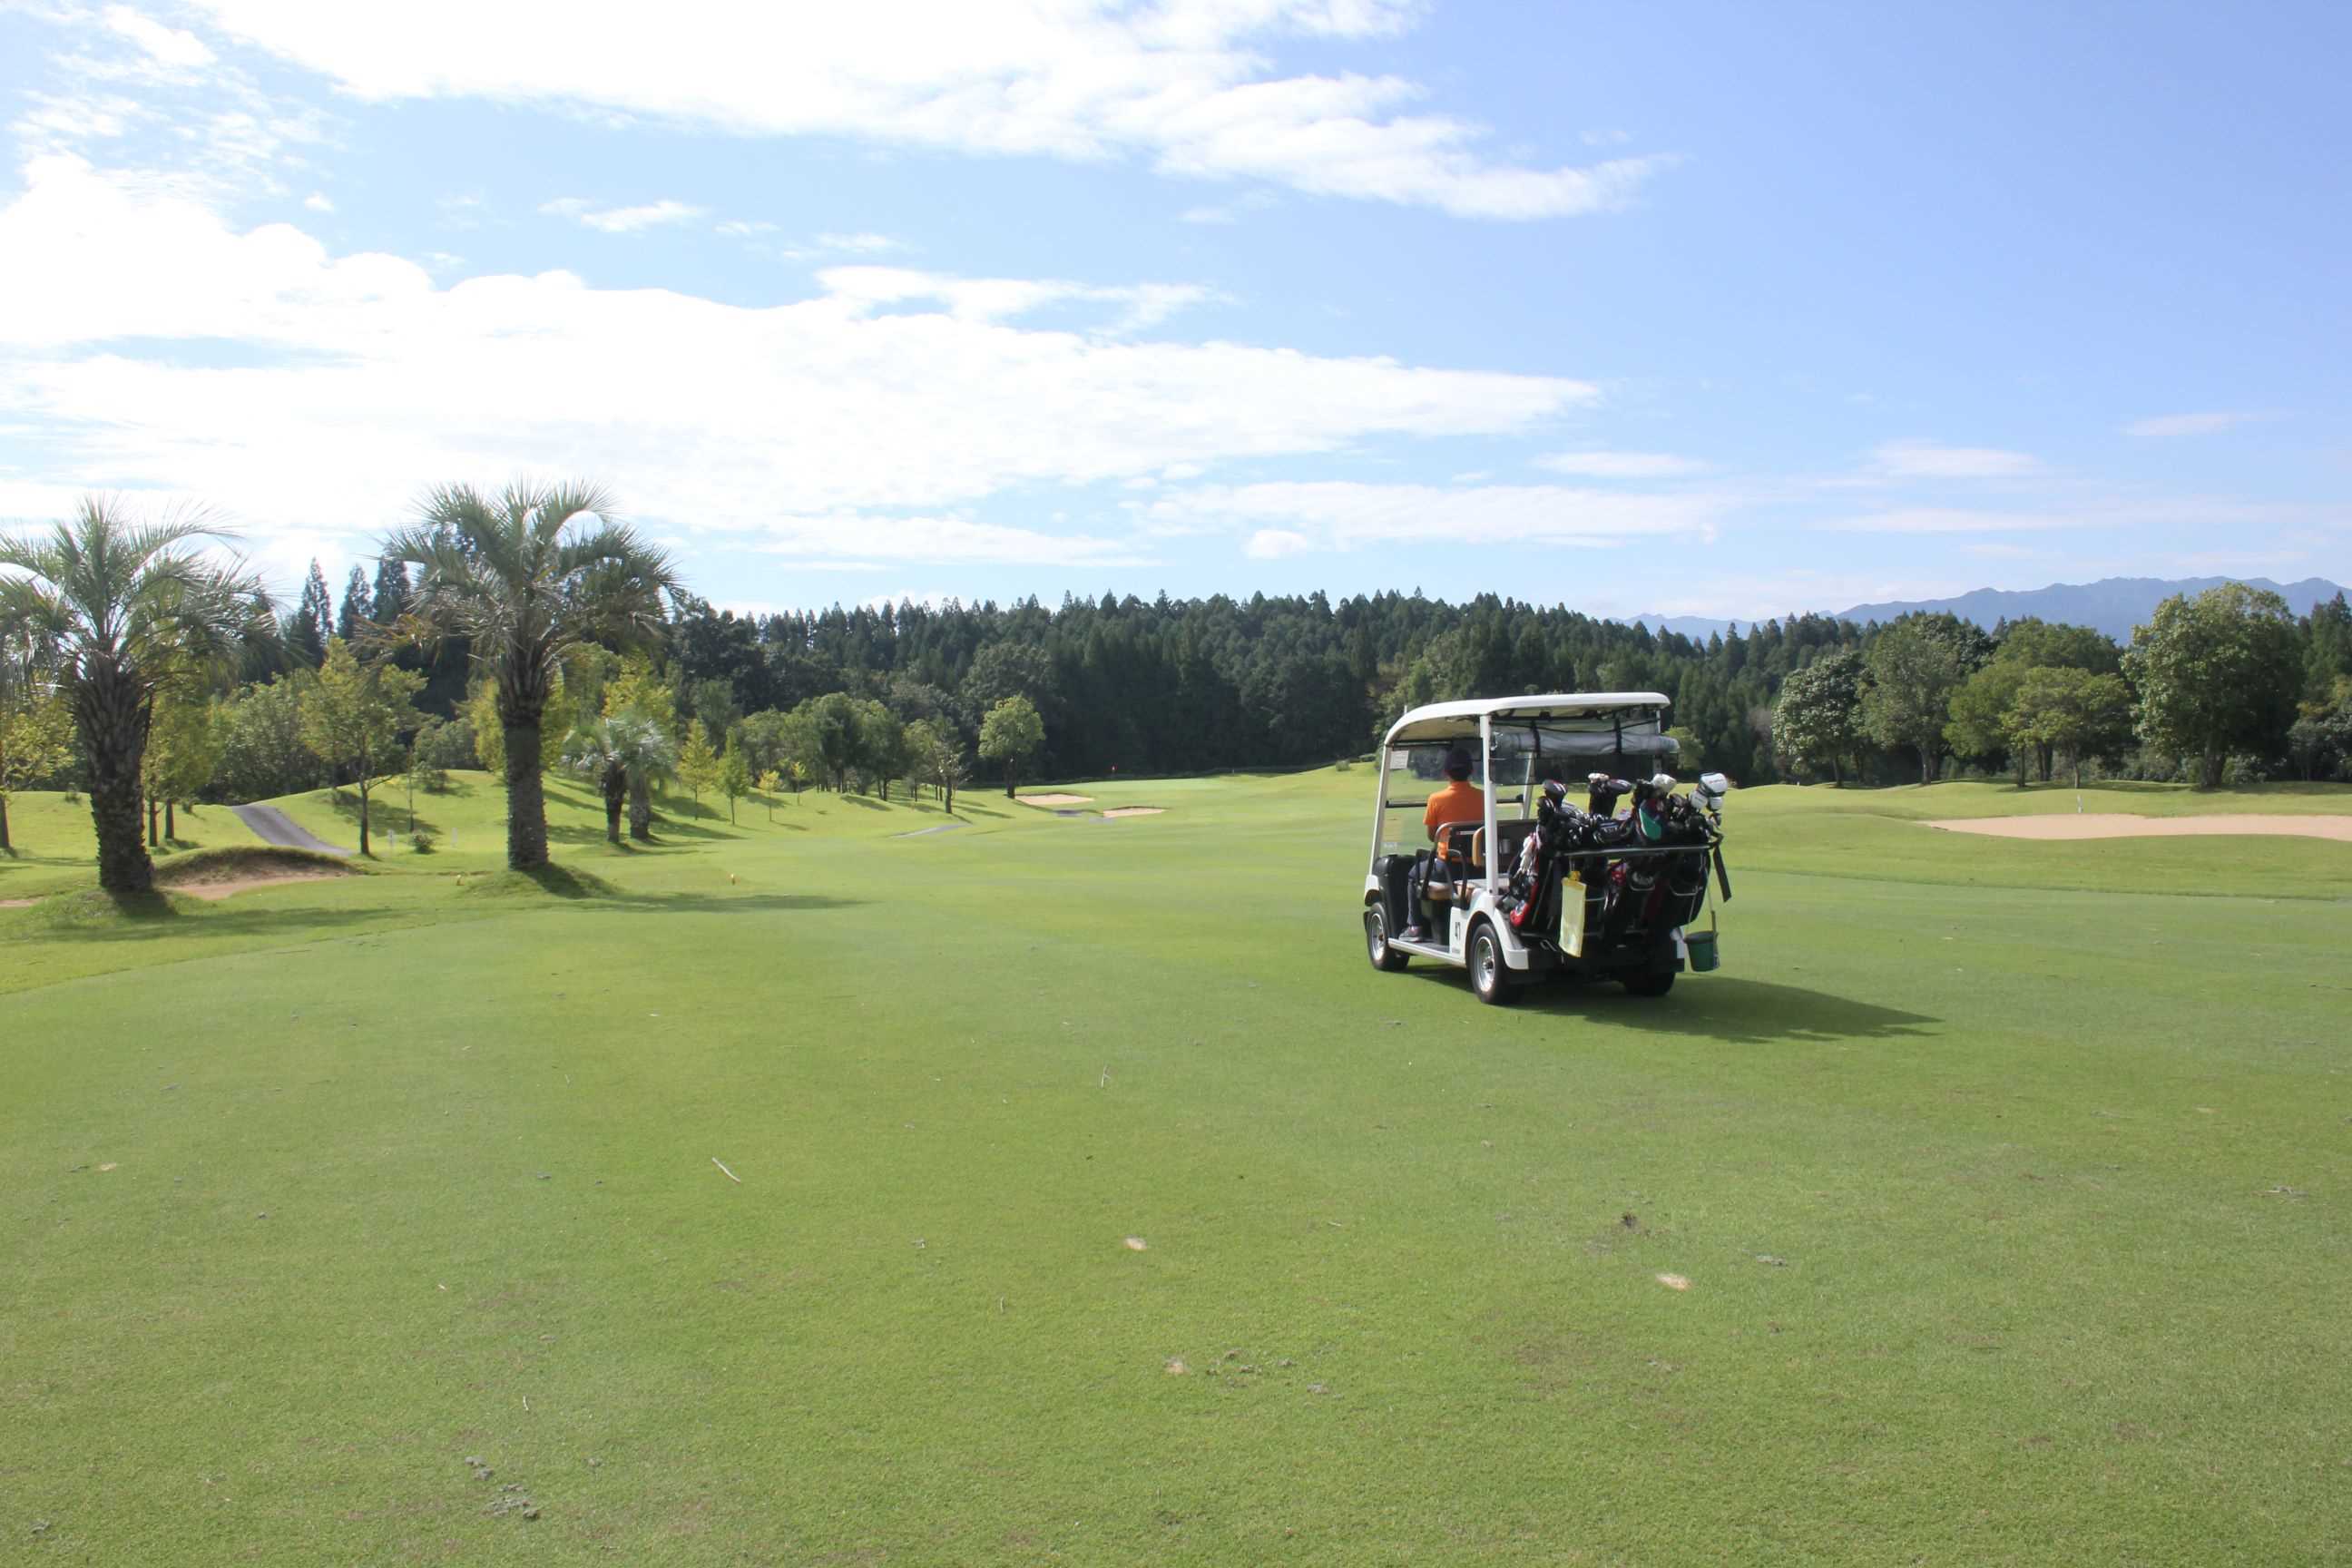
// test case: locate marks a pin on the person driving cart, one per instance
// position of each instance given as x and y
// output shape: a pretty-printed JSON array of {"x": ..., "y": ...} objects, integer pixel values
[{"x": 1459, "y": 804}]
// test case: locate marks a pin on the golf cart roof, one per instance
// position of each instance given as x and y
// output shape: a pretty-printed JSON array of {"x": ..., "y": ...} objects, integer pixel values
[{"x": 1446, "y": 720}]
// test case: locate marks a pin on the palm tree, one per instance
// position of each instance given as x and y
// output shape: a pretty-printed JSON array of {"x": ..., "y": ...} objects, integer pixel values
[
  {"x": 510, "y": 574},
  {"x": 116, "y": 609},
  {"x": 620, "y": 754}
]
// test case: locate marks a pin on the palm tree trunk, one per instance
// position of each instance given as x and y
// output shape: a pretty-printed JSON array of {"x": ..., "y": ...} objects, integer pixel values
[
  {"x": 526, "y": 799},
  {"x": 641, "y": 810},
  {"x": 615, "y": 784},
  {"x": 112, "y": 715}
]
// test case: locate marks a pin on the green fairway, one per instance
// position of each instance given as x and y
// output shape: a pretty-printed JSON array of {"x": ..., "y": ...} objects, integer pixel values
[{"x": 2009, "y": 1180}]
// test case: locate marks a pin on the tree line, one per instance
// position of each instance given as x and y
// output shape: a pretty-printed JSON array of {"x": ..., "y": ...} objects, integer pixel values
[
  {"x": 2228, "y": 686},
  {"x": 528, "y": 630}
]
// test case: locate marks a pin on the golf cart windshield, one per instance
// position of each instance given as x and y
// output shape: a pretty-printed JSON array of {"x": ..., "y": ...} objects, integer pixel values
[{"x": 1524, "y": 755}]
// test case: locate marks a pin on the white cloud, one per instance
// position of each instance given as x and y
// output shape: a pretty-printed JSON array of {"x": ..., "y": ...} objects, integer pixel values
[
  {"x": 169, "y": 46},
  {"x": 211, "y": 131},
  {"x": 859, "y": 243},
  {"x": 1254, "y": 200},
  {"x": 740, "y": 229},
  {"x": 862, "y": 540},
  {"x": 1187, "y": 84},
  {"x": 357, "y": 380},
  {"x": 1621, "y": 465},
  {"x": 318, "y": 202},
  {"x": 1339, "y": 515},
  {"x": 1933, "y": 461},
  {"x": 1949, "y": 519},
  {"x": 621, "y": 220},
  {"x": 1001, "y": 298},
  {"x": 2212, "y": 424},
  {"x": 1275, "y": 543}
]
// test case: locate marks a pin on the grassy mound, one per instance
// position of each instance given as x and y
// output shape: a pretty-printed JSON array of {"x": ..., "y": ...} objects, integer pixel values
[{"x": 557, "y": 881}]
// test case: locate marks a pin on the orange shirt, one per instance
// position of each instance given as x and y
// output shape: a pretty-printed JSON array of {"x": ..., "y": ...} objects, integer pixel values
[{"x": 1459, "y": 800}]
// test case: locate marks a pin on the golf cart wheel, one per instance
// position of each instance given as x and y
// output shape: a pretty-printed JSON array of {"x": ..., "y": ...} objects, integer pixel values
[
  {"x": 1650, "y": 982},
  {"x": 1385, "y": 959},
  {"x": 1490, "y": 977}
]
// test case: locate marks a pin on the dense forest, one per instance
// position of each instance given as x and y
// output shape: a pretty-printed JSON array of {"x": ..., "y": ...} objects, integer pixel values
[
  {"x": 2227, "y": 688},
  {"x": 1189, "y": 685}
]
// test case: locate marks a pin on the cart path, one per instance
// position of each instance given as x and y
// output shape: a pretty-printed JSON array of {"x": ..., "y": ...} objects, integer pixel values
[
  {"x": 272, "y": 826},
  {"x": 927, "y": 832},
  {"x": 2123, "y": 825}
]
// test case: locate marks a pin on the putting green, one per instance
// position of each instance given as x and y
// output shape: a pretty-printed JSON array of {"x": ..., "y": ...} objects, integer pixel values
[{"x": 2007, "y": 1180}]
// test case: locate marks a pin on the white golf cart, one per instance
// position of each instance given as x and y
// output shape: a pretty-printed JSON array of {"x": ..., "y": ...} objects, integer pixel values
[{"x": 1526, "y": 884}]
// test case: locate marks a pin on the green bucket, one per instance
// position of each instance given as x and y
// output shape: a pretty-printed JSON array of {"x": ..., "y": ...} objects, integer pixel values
[{"x": 1699, "y": 946}]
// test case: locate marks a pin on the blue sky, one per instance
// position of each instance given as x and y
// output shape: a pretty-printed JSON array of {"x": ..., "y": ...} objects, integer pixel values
[{"x": 1719, "y": 309}]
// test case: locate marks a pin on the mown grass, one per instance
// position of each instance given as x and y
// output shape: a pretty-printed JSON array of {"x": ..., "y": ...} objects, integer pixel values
[{"x": 2014, "y": 1218}]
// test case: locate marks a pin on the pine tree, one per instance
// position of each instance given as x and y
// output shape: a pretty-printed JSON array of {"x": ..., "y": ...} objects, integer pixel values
[
  {"x": 306, "y": 632},
  {"x": 359, "y": 600},
  {"x": 391, "y": 592}
]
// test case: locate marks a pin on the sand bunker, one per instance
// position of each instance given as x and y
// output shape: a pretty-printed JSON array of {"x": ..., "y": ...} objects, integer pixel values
[
  {"x": 2123, "y": 825},
  {"x": 1051, "y": 800},
  {"x": 1136, "y": 811},
  {"x": 18, "y": 903},
  {"x": 227, "y": 887}
]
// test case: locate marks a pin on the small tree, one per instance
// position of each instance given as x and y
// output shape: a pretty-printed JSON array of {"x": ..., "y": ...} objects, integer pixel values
[
  {"x": 935, "y": 759},
  {"x": 36, "y": 739},
  {"x": 1980, "y": 726},
  {"x": 2073, "y": 712},
  {"x": 1818, "y": 722},
  {"x": 770, "y": 782},
  {"x": 734, "y": 779},
  {"x": 620, "y": 754},
  {"x": 1012, "y": 733},
  {"x": 262, "y": 753},
  {"x": 697, "y": 764},
  {"x": 1915, "y": 664},
  {"x": 879, "y": 742},
  {"x": 354, "y": 712},
  {"x": 2216, "y": 674},
  {"x": 184, "y": 746},
  {"x": 639, "y": 690}
]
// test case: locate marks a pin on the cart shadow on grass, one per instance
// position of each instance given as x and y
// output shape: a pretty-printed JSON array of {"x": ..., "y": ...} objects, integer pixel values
[{"x": 1721, "y": 1007}]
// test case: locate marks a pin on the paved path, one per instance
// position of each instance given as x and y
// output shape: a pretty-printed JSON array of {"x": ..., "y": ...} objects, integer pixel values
[
  {"x": 927, "y": 832},
  {"x": 272, "y": 826}
]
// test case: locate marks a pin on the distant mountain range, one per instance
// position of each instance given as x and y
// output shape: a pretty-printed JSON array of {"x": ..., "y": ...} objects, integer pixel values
[{"x": 2114, "y": 604}]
